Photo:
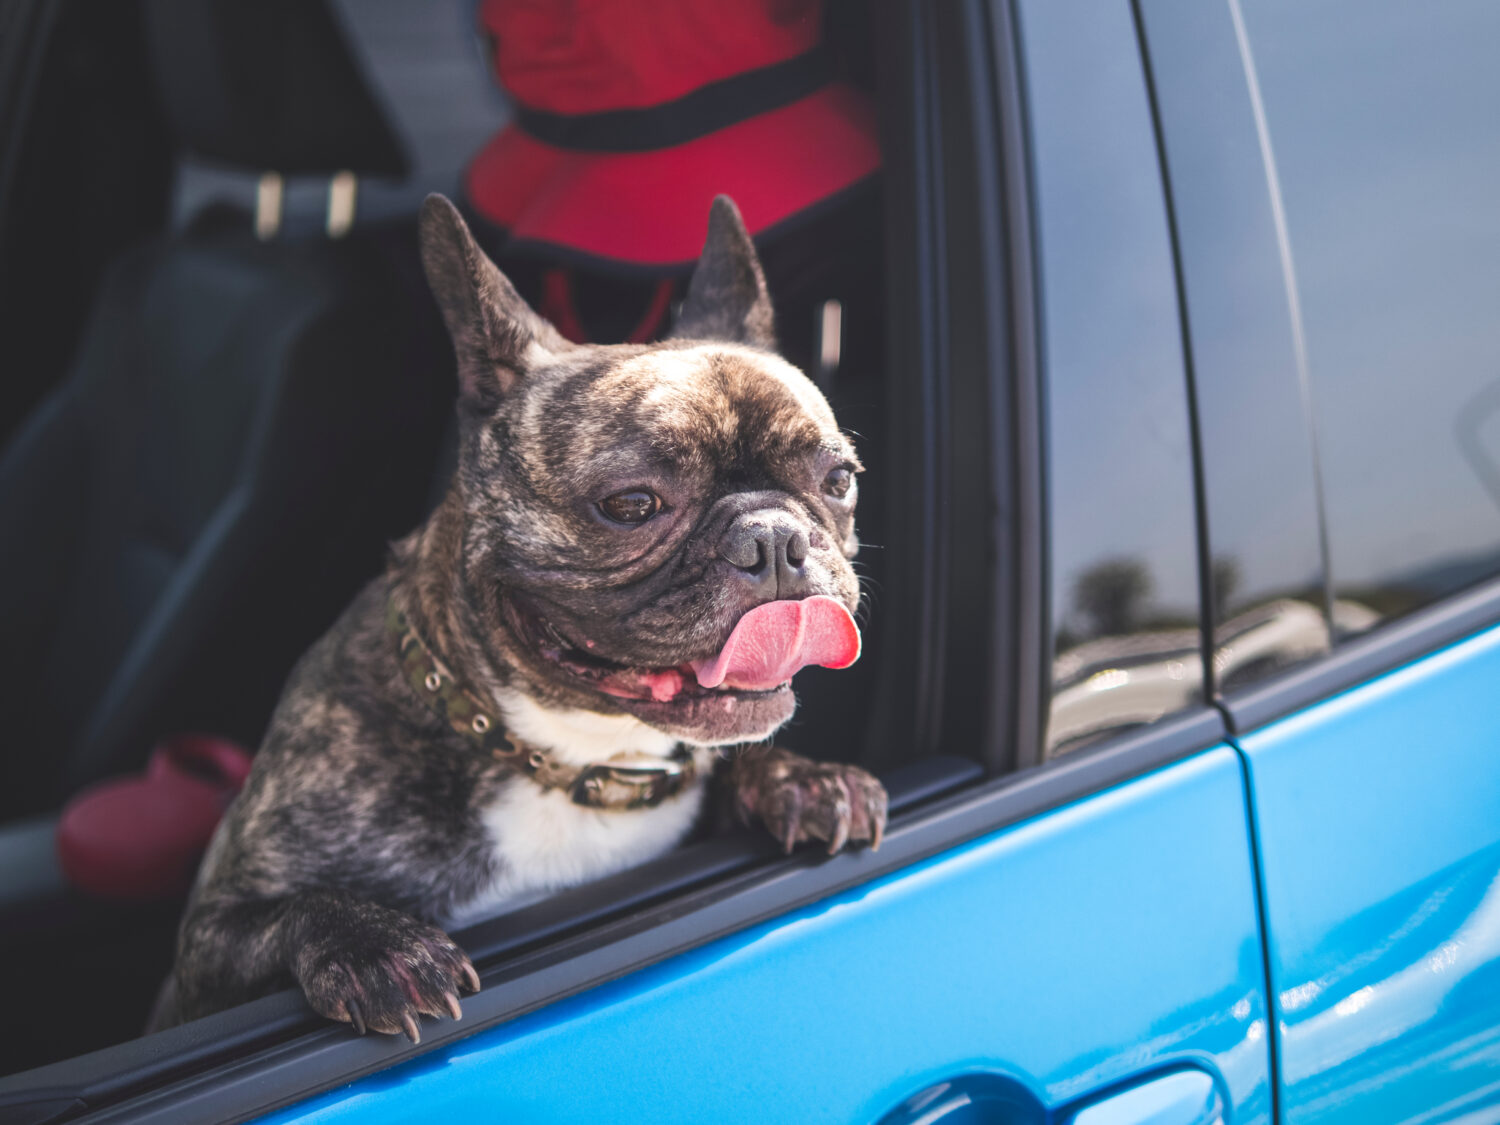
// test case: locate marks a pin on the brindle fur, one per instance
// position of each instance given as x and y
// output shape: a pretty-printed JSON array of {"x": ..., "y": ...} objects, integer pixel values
[{"x": 361, "y": 827}]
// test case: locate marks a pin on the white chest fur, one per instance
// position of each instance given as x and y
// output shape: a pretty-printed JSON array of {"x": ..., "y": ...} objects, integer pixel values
[{"x": 544, "y": 842}]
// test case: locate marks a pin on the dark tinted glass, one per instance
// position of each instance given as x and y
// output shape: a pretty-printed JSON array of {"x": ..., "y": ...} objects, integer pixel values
[
  {"x": 1384, "y": 118},
  {"x": 1124, "y": 592},
  {"x": 1259, "y": 465}
]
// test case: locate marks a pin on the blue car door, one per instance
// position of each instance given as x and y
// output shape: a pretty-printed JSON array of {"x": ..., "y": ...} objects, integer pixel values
[
  {"x": 1381, "y": 844},
  {"x": 1334, "y": 170},
  {"x": 1076, "y": 940}
]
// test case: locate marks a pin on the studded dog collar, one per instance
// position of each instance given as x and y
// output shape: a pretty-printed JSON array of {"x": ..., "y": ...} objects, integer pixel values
[{"x": 613, "y": 784}]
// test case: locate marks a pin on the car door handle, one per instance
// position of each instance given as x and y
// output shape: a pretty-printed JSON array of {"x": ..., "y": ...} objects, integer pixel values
[{"x": 1180, "y": 1097}]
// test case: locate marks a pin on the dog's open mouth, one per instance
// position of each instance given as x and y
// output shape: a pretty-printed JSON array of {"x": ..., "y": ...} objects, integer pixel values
[{"x": 767, "y": 646}]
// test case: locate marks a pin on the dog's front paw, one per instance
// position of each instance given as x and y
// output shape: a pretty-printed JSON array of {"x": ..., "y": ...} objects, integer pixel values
[
  {"x": 799, "y": 799},
  {"x": 386, "y": 974}
]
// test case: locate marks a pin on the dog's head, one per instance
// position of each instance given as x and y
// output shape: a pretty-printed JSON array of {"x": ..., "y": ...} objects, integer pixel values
[{"x": 626, "y": 507}]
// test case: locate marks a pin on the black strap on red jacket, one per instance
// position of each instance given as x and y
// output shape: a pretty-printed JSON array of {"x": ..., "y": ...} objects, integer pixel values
[{"x": 705, "y": 110}]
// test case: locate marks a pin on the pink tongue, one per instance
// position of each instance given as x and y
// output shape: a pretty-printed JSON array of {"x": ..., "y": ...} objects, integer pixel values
[{"x": 774, "y": 640}]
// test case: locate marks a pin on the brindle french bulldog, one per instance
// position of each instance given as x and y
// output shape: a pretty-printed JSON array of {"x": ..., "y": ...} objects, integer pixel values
[{"x": 640, "y": 546}]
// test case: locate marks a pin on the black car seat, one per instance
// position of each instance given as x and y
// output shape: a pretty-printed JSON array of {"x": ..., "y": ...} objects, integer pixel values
[{"x": 245, "y": 424}]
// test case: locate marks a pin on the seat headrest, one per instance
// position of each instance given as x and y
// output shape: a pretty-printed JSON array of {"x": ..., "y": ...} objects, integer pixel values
[{"x": 268, "y": 85}]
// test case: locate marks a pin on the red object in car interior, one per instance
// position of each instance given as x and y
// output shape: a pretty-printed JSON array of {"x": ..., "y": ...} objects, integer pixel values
[
  {"x": 630, "y": 118},
  {"x": 140, "y": 838}
]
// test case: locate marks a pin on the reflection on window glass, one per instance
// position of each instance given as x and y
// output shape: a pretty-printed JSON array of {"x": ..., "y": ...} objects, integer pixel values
[
  {"x": 1268, "y": 578},
  {"x": 1382, "y": 115},
  {"x": 1123, "y": 557}
]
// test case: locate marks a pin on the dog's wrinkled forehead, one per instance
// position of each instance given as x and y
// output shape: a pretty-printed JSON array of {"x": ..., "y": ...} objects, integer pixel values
[
  {"x": 712, "y": 398},
  {"x": 688, "y": 406}
]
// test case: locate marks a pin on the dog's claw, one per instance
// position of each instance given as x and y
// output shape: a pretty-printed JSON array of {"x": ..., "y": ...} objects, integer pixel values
[
  {"x": 453, "y": 1009},
  {"x": 356, "y": 1017},
  {"x": 841, "y": 818},
  {"x": 789, "y": 830},
  {"x": 840, "y": 827},
  {"x": 471, "y": 978},
  {"x": 410, "y": 1026}
]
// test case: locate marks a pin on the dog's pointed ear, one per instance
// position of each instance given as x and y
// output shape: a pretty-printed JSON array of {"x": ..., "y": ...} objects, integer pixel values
[
  {"x": 727, "y": 298},
  {"x": 496, "y": 335}
]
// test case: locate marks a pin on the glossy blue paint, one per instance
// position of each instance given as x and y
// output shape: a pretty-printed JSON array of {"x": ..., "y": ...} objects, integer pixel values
[
  {"x": 970, "y": 1099},
  {"x": 1379, "y": 818},
  {"x": 1073, "y": 952},
  {"x": 1179, "y": 1097}
]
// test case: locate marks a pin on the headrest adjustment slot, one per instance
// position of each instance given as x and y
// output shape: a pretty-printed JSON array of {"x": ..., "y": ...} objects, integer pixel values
[
  {"x": 269, "y": 192},
  {"x": 343, "y": 190}
]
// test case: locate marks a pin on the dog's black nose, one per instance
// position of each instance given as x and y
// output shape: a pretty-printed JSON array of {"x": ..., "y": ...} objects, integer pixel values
[{"x": 770, "y": 549}]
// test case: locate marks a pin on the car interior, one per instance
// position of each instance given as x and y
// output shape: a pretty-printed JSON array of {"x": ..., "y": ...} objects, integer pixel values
[{"x": 219, "y": 412}]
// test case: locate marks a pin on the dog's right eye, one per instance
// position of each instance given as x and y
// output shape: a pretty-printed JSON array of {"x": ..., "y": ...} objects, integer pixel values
[{"x": 636, "y": 506}]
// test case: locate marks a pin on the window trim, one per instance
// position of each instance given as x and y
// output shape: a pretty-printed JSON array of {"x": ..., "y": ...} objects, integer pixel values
[
  {"x": 972, "y": 481},
  {"x": 1029, "y": 629},
  {"x": 1206, "y": 622}
]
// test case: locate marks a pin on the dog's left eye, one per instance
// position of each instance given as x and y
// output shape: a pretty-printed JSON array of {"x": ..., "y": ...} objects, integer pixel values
[
  {"x": 838, "y": 482},
  {"x": 636, "y": 506}
]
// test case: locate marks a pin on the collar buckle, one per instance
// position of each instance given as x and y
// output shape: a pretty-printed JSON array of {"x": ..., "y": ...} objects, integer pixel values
[{"x": 636, "y": 785}]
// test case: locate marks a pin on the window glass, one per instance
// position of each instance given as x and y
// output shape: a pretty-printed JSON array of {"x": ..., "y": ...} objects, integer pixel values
[
  {"x": 1267, "y": 578},
  {"x": 1382, "y": 119},
  {"x": 1124, "y": 596}
]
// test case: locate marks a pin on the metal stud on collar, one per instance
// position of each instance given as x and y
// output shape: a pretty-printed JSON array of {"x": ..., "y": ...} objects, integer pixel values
[
  {"x": 480, "y": 724},
  {"x": 433, "y": 681}
]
